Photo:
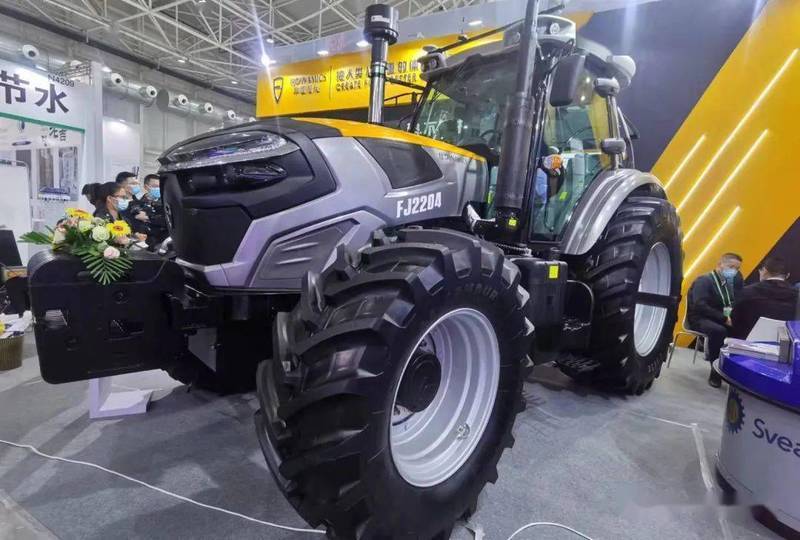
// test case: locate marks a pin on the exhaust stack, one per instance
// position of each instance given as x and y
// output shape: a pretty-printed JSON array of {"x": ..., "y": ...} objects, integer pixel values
[
  {"x": 518, "y": 129},
  {"x": 380, "y": 30}
]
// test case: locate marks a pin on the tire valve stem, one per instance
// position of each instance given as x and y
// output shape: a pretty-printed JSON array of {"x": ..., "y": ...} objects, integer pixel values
[{"x": 462, "y": 431}]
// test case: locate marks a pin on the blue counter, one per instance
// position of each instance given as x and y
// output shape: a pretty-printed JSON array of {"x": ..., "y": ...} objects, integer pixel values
[
  {"x": 760, "y": 450},
  {"x": 778, "y": 383}
]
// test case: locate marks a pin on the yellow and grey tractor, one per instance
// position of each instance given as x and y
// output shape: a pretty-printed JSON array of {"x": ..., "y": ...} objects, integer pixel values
[{"x": 388, "y": 290}]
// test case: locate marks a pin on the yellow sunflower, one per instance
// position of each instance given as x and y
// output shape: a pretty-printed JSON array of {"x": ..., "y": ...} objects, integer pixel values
[
  {"x": 78, "y": 213},
  {"x": 118, "y": 228}
]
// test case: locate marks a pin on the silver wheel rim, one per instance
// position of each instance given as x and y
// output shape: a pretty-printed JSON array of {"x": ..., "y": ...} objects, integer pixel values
[
  {"x": 648, "y": 321},
  {"x": 431, "y": 445}
]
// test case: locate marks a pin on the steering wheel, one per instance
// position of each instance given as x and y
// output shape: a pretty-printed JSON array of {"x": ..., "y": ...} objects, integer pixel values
[{"x": 494, "y": 134}]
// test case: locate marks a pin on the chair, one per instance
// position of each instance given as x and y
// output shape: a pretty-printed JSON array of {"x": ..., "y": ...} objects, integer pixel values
[{"x": 686, "y": 331}]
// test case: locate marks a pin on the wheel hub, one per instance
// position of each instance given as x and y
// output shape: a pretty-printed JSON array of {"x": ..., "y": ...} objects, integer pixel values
[
  {"x": 420, "y": 382},
  {"x": 445, "y": 397},
  {"x": 649, "y": 320}
]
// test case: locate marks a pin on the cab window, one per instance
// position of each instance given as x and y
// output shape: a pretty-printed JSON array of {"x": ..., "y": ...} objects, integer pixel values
[{"x": 569, "y": 158}]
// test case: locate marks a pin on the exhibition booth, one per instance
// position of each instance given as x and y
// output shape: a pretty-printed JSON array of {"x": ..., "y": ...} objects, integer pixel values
[{"x": 413, "y": 271}]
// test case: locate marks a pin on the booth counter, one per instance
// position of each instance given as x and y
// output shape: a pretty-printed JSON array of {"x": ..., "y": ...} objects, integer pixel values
[{"x": 760, "y": 450}]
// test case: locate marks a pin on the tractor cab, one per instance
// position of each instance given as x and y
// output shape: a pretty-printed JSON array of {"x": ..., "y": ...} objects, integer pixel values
[{"x": 465, "y": 99}]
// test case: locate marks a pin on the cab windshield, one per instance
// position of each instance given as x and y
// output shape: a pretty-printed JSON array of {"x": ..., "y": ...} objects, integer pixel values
[{"x": 465, "y": 106}]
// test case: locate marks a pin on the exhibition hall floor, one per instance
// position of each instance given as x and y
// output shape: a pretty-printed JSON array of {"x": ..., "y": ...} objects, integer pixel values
[{"x": 609, "y": 466}]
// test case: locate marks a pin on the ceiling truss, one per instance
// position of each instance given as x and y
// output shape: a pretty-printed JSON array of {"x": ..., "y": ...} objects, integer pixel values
[{"x": 217, "y": 41}]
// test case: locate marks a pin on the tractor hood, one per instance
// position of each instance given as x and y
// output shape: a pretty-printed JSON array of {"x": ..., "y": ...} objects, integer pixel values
[
  {"x": 280, "y": 136},
  {"x": 230, "y": 194}
]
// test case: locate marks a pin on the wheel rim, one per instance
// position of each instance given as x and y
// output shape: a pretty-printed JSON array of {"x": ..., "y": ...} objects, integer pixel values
[
  {"x": 656, "y": 279},
  {"x": 429, "y": 446}
]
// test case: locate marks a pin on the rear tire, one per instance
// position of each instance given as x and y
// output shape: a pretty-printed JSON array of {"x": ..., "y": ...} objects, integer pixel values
[
  {"x": 640, "y": 250},
  {"x": 329, "y": 416}
]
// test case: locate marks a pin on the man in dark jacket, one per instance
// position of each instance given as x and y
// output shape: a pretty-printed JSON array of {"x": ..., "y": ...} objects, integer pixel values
[
  {"x": 711, "y": 298},
  {"x": 150, "y": 203},
  {"x": 771, "y": 297}
]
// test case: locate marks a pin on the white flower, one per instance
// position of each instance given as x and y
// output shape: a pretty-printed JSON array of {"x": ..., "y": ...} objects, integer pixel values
[
  {"x": 84, "y": 225},
  {"x": 110, "y": 253},
  {"x": 98, "y": 221},
  {"x": 58, "y": 236},
  {"x": 100, "y": 234}
]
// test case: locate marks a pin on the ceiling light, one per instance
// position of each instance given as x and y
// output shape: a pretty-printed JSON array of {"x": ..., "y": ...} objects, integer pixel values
[
  {"x": 181, "y": 60},
  {"x": 106, "y": 69},
  {"x": 266, "y": 60},
  {"x": 41, "y": 67},
  {"x": 363, "y": 43},
  {"x": 234, "y": 81},
  {"x": 270, "y": 40},
  {"x": 201, "y": 1},
  {"x": 476, "y": 22},
  {"x": 323, "y": 52}
]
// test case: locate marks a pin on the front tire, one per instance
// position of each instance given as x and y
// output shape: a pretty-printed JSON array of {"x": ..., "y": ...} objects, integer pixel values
[
  {"x": 638, "y": 252},
  {"x": 360, "y": 421}
]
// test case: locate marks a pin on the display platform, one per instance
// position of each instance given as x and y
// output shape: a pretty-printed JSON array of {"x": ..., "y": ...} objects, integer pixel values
[{"x": 760, "y": 448}]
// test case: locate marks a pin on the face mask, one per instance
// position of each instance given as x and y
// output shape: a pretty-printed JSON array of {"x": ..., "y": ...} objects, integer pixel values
[
  {"x": 155, "y": 193},
  {"x": 729, "y": 273},
  {"x": 122, "y": 204},
  {"x": 136, "y": 190}
]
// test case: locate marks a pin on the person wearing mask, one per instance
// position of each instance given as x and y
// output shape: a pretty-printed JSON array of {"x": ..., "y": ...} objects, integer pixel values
[
  {"x": 771, "y": 297},
  {"x": 131, "y": 183},
  {"x": 151, "y": 204},
  {"x": 710, "y": 303},
  {"x": 134, "y": 215},
  {"x": 112, "y": 204}
]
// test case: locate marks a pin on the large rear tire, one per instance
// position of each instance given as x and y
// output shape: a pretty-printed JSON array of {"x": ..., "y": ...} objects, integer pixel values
[
  {"x": 637, "y": 259},
  {"x": 395, "y": 386}
]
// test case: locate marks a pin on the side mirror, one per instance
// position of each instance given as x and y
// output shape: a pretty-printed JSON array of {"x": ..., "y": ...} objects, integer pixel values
[
  {"x": 565, "y": 80},
  {"x": 613, "y": 146}
]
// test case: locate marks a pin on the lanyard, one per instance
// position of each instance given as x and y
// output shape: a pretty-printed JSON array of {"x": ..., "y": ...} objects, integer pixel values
[{"x": 726, "y": 298}]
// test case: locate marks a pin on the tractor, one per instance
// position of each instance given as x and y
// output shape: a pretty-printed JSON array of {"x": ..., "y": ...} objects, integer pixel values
[{"x": 389, "y": 290}]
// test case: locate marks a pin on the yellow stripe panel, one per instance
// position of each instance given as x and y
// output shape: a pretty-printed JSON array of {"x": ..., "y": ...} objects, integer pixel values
[
  {"x": 348, "y": 128},
  {"x": 730, "y": 196}
]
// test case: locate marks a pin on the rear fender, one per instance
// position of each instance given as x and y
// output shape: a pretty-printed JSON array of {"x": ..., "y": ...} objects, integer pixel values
[{"x": 599, "y": 204}]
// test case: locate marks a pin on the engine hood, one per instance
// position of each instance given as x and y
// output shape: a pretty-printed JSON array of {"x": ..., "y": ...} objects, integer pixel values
[{"x": 255, "y": 139}]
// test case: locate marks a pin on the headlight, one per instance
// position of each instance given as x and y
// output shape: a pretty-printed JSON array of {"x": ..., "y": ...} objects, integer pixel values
[{"x": 227, "y": 148}]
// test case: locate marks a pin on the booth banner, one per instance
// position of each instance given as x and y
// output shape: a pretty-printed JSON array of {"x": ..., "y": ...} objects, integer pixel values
[
  {"x": 342, "y": 81},
  {"x": 35, "y": 95},
  {"x": 760, "y": 453}
]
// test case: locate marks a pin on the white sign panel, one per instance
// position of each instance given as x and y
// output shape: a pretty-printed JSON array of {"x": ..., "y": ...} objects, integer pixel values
[{"x": 32, "y": 94}]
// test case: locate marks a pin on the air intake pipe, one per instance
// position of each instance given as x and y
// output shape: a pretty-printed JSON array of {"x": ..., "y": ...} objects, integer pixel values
[
  {"x": 173, "y": 102},
  {"x": 518, "y": 129},
  {"x": 380, "y": 30},
  {"x": 140, "y": 92}
]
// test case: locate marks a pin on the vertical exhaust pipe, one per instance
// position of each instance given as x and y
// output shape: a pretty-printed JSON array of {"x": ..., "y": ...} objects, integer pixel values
[
  {"x": 380, "y": 30},
  {"x": 518, "y": 129}
]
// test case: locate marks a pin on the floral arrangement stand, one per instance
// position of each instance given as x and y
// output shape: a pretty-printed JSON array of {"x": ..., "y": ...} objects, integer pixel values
[
  {"x": 104, "y": 402},
  {"x": 102, "y": 246}
]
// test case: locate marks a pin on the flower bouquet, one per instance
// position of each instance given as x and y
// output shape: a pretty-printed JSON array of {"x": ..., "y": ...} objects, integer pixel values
[{"x": 101, "y": 245}]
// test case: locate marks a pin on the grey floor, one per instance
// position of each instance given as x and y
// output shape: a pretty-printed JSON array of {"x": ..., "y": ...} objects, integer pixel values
[{"x": 611, "y": 467}]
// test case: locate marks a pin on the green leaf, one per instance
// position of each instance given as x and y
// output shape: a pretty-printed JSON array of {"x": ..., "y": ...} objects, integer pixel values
[{"x": 34, "y": 237}]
